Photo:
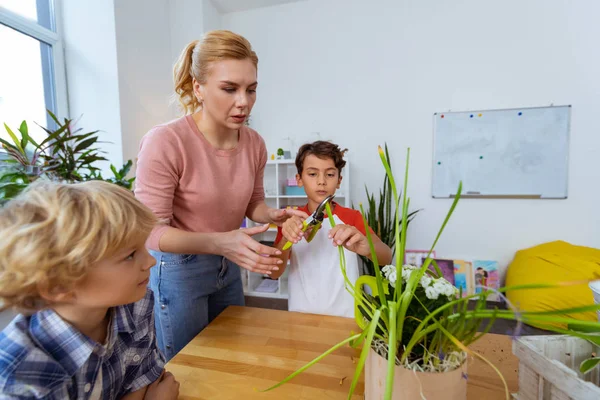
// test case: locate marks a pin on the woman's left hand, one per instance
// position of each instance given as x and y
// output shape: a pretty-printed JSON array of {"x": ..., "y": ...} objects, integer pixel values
[{"x": 278, "y": 217}]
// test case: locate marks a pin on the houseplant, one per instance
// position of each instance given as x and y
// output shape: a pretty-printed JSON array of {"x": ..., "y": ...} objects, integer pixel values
[
  {"x": 66, "y": 154},
  {"x": 416, "y": 325},
  {"x": 381, "y": 215}
]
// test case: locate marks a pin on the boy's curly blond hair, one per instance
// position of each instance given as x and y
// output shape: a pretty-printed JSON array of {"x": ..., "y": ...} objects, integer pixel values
[{"x": 52, "y": 233}]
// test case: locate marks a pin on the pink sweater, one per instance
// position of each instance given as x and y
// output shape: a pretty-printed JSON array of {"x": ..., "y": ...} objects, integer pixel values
[{"x": 192, "y": 186}]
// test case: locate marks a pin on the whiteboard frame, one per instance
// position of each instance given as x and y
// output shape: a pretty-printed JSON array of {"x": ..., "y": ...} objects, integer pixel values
[{"x": 507, "y": 196}]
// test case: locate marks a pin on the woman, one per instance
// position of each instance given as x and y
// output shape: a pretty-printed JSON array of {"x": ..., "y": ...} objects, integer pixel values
[{"x": 201, "y": 174}]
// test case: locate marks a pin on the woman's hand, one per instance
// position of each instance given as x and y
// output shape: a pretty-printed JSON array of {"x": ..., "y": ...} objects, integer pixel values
[
  {"x": 239, "y": 247},
  {"x": 278, "y": 217}
]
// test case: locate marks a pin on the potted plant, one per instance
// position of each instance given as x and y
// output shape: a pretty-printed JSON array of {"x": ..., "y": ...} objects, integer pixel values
[
  {"x": 415, "y": 328},
  {"x": 119, "y": 176},
  {"x": 24, "y": 162},
  {"x": 280, "y": 153},
  {"x": 66, "y": 155},
  {"x": 381, "y": 216}
]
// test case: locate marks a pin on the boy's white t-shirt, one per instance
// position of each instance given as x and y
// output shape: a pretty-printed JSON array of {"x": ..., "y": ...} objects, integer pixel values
[{"x": 316, "y": 283}]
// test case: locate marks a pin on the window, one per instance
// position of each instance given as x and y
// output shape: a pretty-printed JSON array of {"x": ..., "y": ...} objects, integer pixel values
[{"x": 32, "y": 77}]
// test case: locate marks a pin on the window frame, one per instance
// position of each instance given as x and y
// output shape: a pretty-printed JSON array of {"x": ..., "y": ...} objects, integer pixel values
[{"x": 57, "y": 70}]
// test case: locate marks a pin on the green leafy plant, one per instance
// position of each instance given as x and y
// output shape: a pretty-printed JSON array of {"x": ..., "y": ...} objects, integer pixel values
[
  {"x": 24, "y": 163},
  {"x": 65, "y": 154},
  {"x": 12, "y": 182},
  {"x": 119, "y": 176},
  {"x": 594, "y": 361},
  {"x": 280, "y": 152},
  {"x": 409, "y": 326},
  {"x": 381, "y": 216},
  {"x": 72, "y": 154}
]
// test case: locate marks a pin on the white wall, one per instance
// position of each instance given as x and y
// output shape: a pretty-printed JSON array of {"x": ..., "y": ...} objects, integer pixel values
[
  {"x": 145, "y": 69},
  {"x": 189, "y": 19},
  {"x": 364, "y": 73},
  {"x": 211, "y": 16},
  {"x": 92, "y": 75},
  {"x": 120, "y": 57}
]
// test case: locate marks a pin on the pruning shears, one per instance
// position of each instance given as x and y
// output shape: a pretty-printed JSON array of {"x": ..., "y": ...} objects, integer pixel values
[{"x": 314, "y": 220}]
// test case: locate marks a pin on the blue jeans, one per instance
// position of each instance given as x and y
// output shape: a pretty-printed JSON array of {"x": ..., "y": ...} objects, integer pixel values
[{"x": 190, "y": 290}]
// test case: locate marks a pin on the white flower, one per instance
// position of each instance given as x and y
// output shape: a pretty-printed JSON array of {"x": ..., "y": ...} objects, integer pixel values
[
  {"x": 425, "y": 280},
  {"x": 431, "y": 293},
  {"x": 433, "y": 287},
  {"x": 392, "y": 279},
  {"x": 387, "y": 270}
]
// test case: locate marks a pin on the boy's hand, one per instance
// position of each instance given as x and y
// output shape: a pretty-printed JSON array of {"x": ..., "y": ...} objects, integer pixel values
[
  {"x": 164, "y": 388},
  {"x": 351, "y": 238},
  {"x": 292, "y": 229}
]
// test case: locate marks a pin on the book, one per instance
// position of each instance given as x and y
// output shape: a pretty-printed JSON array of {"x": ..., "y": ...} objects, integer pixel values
[
  {"x": 446, "y": 266},
  {"x": 486, "y": 276},
  {"x": 267, "y": 286},
  {"x": 464, "y": 278},
  {"x": 415, "y": 257}
]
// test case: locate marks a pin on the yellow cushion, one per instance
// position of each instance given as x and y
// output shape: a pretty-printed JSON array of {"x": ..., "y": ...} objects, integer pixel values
[{"x": 554, "y": 262}]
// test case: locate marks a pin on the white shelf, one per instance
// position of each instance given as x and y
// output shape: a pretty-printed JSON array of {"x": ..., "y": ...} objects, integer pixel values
[
  {"x": 267, "y": 295},
  {"x": 284, "y": 161},
  {"x": 251, "y": 280},
  {"x": 276, "y": 174}
]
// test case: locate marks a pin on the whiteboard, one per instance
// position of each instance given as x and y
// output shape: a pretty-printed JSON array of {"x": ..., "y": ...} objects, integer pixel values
[{"x": 513, "y": 153}]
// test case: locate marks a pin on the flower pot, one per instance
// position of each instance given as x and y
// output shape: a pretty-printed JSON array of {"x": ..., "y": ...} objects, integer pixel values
[
  {"x": 32, "y": 170},
  {"x": 412, "y": 385}
]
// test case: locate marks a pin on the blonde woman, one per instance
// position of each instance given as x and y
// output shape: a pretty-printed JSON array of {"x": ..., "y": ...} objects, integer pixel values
[{"x": 202, "y": 174}]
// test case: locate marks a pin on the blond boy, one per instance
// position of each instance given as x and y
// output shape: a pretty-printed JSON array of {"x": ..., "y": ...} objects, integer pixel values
[{"x": 73, "y": 261}]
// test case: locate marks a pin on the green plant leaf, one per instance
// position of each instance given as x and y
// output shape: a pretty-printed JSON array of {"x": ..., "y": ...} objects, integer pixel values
[
  {"x": 575, "y": 326},
  {"x": 115, "y": 172},
  {"x": 381, "y": 293},
  {"x": 17, "y": 142},
  {"x": 589, "y": 364},
  {"x": 24, "y": 135},
  {"x": 392, "y": 348},
  {"x": 85, "y": 144},
  {"x": 126, "y": 168},
  {"x": 364, "y": 352},
  {"x": 53, "y": 117},
  {"x": 312, "y": 362}
]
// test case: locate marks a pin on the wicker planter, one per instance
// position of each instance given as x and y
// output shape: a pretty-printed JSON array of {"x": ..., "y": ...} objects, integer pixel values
[{"x": 411, "y": 385}]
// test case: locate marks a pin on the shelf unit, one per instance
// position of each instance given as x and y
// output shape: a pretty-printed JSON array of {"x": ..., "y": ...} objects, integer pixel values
[{"x": 276, "y": 174}]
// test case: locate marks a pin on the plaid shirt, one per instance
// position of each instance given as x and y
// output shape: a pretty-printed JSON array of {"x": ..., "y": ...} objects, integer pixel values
[{"x": 42, "y": 356}]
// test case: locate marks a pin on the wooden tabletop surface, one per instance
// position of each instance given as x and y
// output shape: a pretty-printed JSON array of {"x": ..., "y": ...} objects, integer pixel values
[{"x": 246, "y": 348}]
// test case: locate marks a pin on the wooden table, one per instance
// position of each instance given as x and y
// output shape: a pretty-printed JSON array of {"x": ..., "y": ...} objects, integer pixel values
[{"x": 246, "y": 348}]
